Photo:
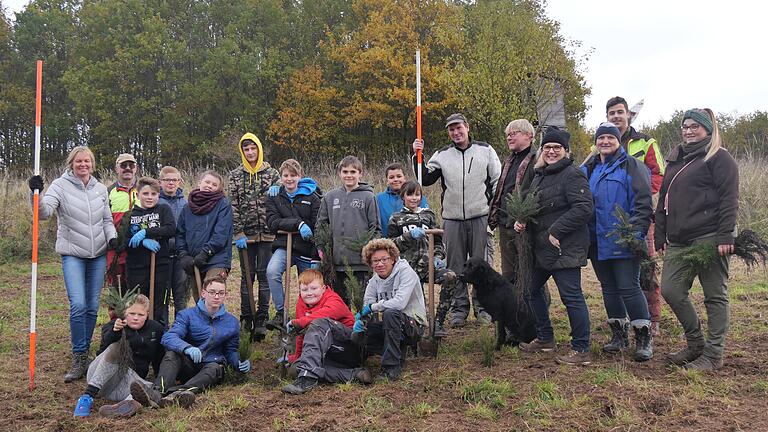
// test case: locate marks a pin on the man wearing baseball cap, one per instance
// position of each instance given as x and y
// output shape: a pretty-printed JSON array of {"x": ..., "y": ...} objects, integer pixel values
[
  {"x": 122, "y": 195},
  {"x": 468, "y": 171}
]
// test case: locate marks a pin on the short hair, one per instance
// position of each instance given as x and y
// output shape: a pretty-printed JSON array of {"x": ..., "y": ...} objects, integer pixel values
[
  {"x": 393, "y": 167},
  {"x": 380, "y": 244},
  {"x": 216, "y": 278},
  {"x": 293, "y": 166},
  {"x": 308, "y": 276},
  {"x": 522, "y": 125},
  {"x": 615, "y": 101},
  {"x": 141, "y": 300},
  {"x": 213, "y": 173},
  {"x": 350, "y": 161},
  {"x": 76, "y": 151},
  {"x": 169, "y": 170},
  {"x": 409, "y": 188},
  {"x": 148, "y": 181}
]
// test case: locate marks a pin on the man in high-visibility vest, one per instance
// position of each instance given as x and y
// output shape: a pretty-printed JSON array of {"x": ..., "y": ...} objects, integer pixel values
[{"x": 122, "y": 195}]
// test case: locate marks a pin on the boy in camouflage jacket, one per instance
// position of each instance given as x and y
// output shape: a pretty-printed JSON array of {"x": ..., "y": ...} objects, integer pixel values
[
  {"x": 249, "y": 186},
  {"x": 406, "y": 229}
]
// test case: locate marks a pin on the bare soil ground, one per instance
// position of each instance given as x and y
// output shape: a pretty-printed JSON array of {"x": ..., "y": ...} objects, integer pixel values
[{"x": 453, "y": 392}]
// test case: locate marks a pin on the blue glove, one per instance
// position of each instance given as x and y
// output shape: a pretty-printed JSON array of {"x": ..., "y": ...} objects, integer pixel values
[
  {"x": 305, "y": 230},
  {"x": 358, "y": 317},
  {"x": 137, "y": 238},
  {"x": 289, "y": 327},
  {"x": 417, "y": 233},
  {"x": 439, "y": 263},
  {"x": 366, "y": 310},
  {"x": 358, "y": 327},
  {"x": 273, "y": 190},
  {"x": 244, "y": 366},
  {"x": 242, "y": 242},
  {"x": 195, "y": 354},
  {"x": 151, "y": 244}
]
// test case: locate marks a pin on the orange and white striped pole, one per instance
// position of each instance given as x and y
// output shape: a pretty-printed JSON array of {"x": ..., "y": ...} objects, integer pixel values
[
  {"x": 418, "y": 113},
  {"x": 35, "y": 233}
]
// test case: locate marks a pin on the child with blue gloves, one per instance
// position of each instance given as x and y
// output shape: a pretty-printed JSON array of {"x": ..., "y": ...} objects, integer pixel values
[{"x": 150, "y": 225}]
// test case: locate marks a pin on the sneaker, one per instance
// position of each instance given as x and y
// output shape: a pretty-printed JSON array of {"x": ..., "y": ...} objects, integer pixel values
[
  {"x": 575, "y": 358},
  {"x": 536, "y": 346},
  {"x": 685, "y": 355},
  {"x": 457, "y": 322},
  {"x": 440, "y": 331},
  {"x": 83, "y": 406},
  {"x": 300, "y": 386},
  {"x": 123, "y": 409},
  {"x": 704, "y": 363},
  {"x": 363, "y": 376},
  {"x": 483, "y": 318},
  {"x": 144, "y": 394},
  {"x": 182, "y": 398}
]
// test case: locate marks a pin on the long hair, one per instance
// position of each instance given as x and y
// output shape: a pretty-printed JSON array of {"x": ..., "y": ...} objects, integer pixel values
[{"x": 716, "y": 141}]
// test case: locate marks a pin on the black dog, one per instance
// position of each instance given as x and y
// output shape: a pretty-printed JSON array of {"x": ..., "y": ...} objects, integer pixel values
[{"x": 496, "y": 294}]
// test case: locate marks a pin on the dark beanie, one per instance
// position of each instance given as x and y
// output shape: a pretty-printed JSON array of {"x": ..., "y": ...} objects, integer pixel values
[
  {"x": 699, "y": 116},
  {"x": 555, "y": 135},
  {"x": 609, "y": 129}
]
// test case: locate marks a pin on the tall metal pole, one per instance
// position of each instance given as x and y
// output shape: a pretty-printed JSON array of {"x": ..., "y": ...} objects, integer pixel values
[{"x": 35, "y": 232}]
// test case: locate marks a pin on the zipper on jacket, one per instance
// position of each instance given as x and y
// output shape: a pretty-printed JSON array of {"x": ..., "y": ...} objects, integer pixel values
[
  {"x": 463, "y": 188},
  {"x": 90, "y": 214}
]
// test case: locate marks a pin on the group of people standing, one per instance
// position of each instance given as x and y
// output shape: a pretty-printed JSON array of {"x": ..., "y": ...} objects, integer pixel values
[{"x": 120, "y": 230}]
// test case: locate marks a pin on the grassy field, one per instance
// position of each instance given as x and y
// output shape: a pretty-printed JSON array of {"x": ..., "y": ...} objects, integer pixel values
[{"x": 453, "y": 392}]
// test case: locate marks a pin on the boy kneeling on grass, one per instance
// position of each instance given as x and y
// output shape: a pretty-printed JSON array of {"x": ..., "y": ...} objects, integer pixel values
[
  {"x": 104, "y": 376},
  {"x": 201, "y": 341}
]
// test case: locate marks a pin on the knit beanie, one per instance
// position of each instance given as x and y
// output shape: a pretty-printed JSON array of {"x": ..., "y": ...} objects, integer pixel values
[
  {"x": 608, "y": 128},
  {"x": 699, "y": 116},
  {"x": 555, "y": 135}
]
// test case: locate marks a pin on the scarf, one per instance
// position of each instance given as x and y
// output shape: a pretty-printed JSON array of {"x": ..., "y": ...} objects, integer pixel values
[
  {"x": 202, "y": 202},
  {"x": 691, "y": 150}
]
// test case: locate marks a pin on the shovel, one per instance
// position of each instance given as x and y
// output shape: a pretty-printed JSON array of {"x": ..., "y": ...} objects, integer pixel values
[
  {"x": 429, "y": 346},
  {"x": 199, "y": 284},
  {"x": 246, "y": 260}
]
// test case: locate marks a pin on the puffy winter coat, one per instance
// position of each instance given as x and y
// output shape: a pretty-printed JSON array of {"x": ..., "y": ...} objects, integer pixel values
[
  {"x": 217, "y": 336},
  {"x": 211, "y": 231},
  {"x": 144, "y": 342},
  {"x": 565, "y": 210},
  {"x": 83, "y": 216},
  {"x": 621, "y": 181},
  {"x": 389, "y": 202},
  {"x": 285, "y": 213},
  {"x": 330, "y": 306}
]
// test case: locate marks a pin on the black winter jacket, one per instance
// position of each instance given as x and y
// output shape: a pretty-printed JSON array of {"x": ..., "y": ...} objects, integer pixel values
[
  {"x": 145, "y": 344},
  {"x": 566, "y": 209},
  {"x": 284, "y": 215}
]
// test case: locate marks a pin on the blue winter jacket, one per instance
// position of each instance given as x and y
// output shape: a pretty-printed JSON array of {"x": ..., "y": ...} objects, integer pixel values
[
  {"x": 620, "y": 181},
  {"x": 390, "y": 202},
  {"x": 211, "y": 232},
  {"x": 175, "y": 202},
  {"x": 217, "y": 336}
]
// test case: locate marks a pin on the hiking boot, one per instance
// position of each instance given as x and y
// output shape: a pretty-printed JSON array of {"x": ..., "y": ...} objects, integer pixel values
[
  {"x": 276, "y": 323},
  {"x": 440, "y": 331},
  {"x": 483, "y": 318},
  {"x": 536, "y": 346},
  {"x": 685, "y": 355},
  {"x": 363, "y": 376},
  {"x": 704, "y": 363},
  {"x": 643, "y": 344},
  {"x": 620, "y": 336},
  {"x": 575, "y": 358},
  {"x": 83, "y": 406},
  {"x": 182, "y": 398},
  {"x": 123, "y": 409},
  {"x": 79, "y": 367},
  {"x": 259, "y": 330},
  {"x": 300, "y": 386},
  {"x": 655, "y": 330},
  {"x": 145, "y": 394},
  {"x": 457, "y": 322},
  {"x": 389, "y": 374}
]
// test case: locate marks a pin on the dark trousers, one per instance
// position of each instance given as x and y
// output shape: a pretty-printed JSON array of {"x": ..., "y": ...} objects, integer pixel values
[
  {"x": 179, "y": 288},
  {"x": 387, "y": 337},
  {"x": 259, "y": 254},
  {"x": 463, "y": 240},
  {"x": 341, "y": 288},
  {"x": 568, "y": 283},
  {"x": 141, "y": 279},
  {"x": 620, "y": 282},
  {"x": 195, "y": 377}
]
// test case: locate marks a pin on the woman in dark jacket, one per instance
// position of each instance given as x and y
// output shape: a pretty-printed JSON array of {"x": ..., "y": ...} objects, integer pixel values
[
  {"x": 294, "y": 209},
  {"x": 619, "y": 181},
  {"x": 698, "y": 203},
  {"x": 561, "y": 239}
]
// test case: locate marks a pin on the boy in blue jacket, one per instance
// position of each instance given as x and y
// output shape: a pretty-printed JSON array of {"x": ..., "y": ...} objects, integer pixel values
[
  {"x": 172, "y": 194},
  {"x": 389, "y": 201},
  {"x": 202, "y": 340}
]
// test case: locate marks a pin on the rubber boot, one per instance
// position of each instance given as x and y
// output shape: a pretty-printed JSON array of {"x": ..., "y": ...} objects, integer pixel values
[
  {"x": 620, "y": 339},
  {"x": 643, "y": 343}
]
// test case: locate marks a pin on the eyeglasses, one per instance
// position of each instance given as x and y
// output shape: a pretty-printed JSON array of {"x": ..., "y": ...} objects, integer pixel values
[
  {"x": 216, "y": 293},
  {"x": 514, "y": 133},
  {"x": 557, "y": 148},
  {"x": 692, "y": 127},
  {"x": 380, "y": 261},
  {"x": 170, "y": 180},
  {"x": 127, "y": 164}
]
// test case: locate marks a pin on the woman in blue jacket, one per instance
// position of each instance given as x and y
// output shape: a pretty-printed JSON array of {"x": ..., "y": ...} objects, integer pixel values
[{"x": 619, "y": 181}]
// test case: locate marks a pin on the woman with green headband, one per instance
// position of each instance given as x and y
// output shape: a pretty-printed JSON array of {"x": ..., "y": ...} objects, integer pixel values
[{"x": 698, "y": 203}]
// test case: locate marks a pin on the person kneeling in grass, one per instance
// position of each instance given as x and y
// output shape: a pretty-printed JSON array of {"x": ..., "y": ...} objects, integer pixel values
[
  {"x": 201, "y": 341},
  {"x": 105, "y": 379}
]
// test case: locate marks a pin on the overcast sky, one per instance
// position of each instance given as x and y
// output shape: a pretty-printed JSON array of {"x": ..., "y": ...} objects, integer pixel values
[{"x": 675, "y": 54}]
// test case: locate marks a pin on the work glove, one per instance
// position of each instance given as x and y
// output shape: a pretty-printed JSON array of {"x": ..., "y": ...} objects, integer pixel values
[
  {"x": 151, "y": 244},
  {"x": 36, "y": 182},
  {"x": 187, "y": 263},
  {"x": 137, "y": 238},
  {"x": 305, "y": 230},
  {"x": 242, "y": 242},
  {"x": 291, "y": 327},
  {"x": 245, "y": 366},
  {"x": 359, "y": 327},
  {"x": 273, "y": 190},
  {"x": 201, "y": 259},
  {"x": 417, "y": 233},
  {"x": 366, "y": 310},
  {"x": 439, "y": 263},
  {"x": 112, "y": 244},
  {"x": 194, "y": 353}
]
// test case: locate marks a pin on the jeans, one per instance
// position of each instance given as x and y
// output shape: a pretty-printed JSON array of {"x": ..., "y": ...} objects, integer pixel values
[
  {"x": 568, "y": 283},
  {"x": 620, "y": 281},
  {"x": 259, "y": 254},
  {"x": 275, "y": 270},
  {"x": 84, "y": 278}
]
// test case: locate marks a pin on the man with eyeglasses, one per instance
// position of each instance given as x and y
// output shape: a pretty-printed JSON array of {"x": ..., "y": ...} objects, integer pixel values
[
  {"x": 122, "y": 195},
  {"x": 201, "y": 342}
]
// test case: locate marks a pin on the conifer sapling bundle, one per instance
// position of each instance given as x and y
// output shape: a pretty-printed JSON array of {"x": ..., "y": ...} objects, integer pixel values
[
  {"x": 120, "y": 302},
  {"x": 523, "y": 209}
]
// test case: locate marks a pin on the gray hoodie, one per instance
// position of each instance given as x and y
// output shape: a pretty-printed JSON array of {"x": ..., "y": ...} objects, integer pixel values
[
  {"x": 83, "y": 215},
  {"x": 350, "y": 215},
  {"x": 400, "y": 291}
]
